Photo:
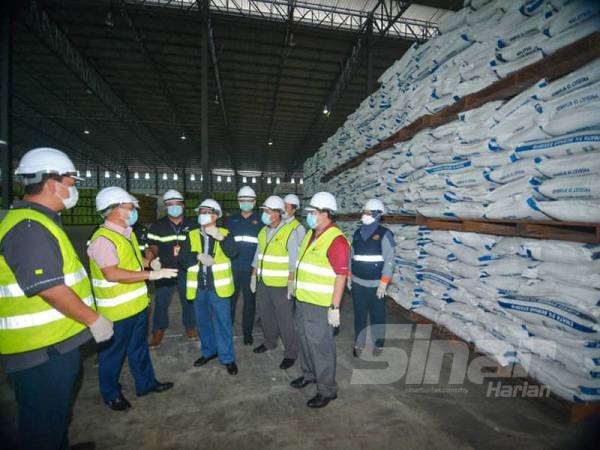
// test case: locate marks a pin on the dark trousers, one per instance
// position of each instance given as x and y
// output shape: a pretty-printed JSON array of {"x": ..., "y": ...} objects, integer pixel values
[
  {"x": 44, "y": 394},
  {"x": 241, "y": 279},
  {"x": 162, "y": 300},
  {"x": 277, "y": 315},
  {"x": 129, "y": 340},
  {"x": 214, "y": 325},
  {"x": 366, "y": 304}
]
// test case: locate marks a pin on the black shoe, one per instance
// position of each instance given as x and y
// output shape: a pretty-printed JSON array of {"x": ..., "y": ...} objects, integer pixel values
[
  {"x": 118, "y": 404},
  {"x": 260, "y": 349},
  {"x": 377, "y": 351},
  {"x": 89, "y": 445},
  {"x": 232, "y": 368},
  {"x": 318, "y": 401},
  {"x": 160, "y": 387},
  {"x": 356, "y": 352},
  {"x": 203, "y": 360},
  {"x": 287, "y": 363},
  {"x": 248, "y": 340},
  {"x": 300, "y": 383}
]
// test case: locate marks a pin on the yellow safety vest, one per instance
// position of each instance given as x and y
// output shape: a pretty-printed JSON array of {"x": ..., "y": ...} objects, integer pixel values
[
  {"x": 30, "y": 323},
  {"x": 315, "y": 278},
  {"x": 118, "y": 301},
  {"x": 221, "y": 269},
  {"x": 273, "y": 265}
]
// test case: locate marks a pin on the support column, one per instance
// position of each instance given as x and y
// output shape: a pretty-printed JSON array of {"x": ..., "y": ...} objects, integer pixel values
[
  {"x": 369, "y": 55},
  {"x": 204, "y": 101},
  {"x": 6, "y": 103}
]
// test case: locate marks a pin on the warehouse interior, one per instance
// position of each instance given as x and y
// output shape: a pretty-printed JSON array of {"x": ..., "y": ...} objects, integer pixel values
[{"x": 298, "y": 97}]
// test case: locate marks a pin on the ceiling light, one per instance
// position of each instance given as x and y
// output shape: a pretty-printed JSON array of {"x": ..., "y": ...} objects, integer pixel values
[
  {"x": 146, "y": 176},
  {"x": 118, "y": 175},
  {"x": 229, "y": 179},
  {"x": 270, "y": 141},
  {"x": 165, "y": 177},
  {"x": 244, "y": 180},
  {"x": 219, "y": 179},
  {"x": 136, "y": 176},
  {"x": 175, "y": 177},
  {"x": 201, "y": 177},
  {"x": 325, "y": 110},
  {"x": 183, "y": 137},
  {"x": 301, "y": 180},
  {"x": 192, "y": 177},
  {"x": 106, "y": 174},
  {"x": 216, "y": 99},
  {"x": 269, "y": 180},
  {"x": 78, "y": 174},
  {"x": 86, "y": 131},
  {"x": 88, "y": 173},
  {"x": 277, "y": 180},
  {"x": 253, "y": 179},
  {"x": 108, "y": 21},
  {"x": 293, "y": 181}
]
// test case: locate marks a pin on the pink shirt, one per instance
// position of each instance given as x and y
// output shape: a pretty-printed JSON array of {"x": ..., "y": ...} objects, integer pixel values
[{"x": 103, "y": 251}]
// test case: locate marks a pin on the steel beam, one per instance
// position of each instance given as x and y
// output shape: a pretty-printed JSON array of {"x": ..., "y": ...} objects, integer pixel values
[{"x": 6, "y": 93}]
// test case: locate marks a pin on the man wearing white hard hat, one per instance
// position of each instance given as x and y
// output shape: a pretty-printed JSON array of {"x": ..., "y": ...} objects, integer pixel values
[
  {"x": 47, "y": 307},
  {"x": 119, "y": 284},
  {"x": 320, "y": 280},
  {"x": 244, "y": 227},
  {"x": 165, "y": 238},
  {"x": 371, "y": 267},
  {"x": 272, "y": 280},
  {"x": 207, "y": 255},
  {"x": 292, "y": 203}
]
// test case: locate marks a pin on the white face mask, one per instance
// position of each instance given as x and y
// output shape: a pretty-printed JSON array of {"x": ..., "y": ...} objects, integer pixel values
[
  {"x": 205, "y": 219},
  {"x": 367, "y": 220},
  {"x": 72, "y": 199}
]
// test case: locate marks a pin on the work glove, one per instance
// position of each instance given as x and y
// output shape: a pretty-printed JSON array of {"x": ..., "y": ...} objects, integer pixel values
[
  {"x": 253, "y": 284},
  {"x": 162, "y": 273},
  {"x": 333, "y": 317},
  {"x": 214, "y": 232},
  {"x": 155, "y": 264},
  {"x": 290, "y": 289},
  {"x": 102, "y": 329},
  {"x": 349, "y": 282},
  {"x": 381, "y": 290},
  {"x": 205, "y": 259}
]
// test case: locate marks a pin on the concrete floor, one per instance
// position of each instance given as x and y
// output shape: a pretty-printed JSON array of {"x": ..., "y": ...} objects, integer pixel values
[{"x": 208, "y": 408}]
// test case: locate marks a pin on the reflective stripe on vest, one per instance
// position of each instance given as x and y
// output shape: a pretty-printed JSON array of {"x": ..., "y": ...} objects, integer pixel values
[
  {"x": 315, "y": 278},
  {"x": 221, "y": 269},
  {"x": 168, "y": 238},
  {"x": 30, "y": 323},
  {"x": 116, "y": 300},
  {"x": 250, "y": 239},
  {"x": 368, "y": 258},
  {"x": 273, "y": 265}
]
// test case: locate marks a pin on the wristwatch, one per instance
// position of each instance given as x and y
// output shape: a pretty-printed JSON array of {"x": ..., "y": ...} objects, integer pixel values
[{"x": 334, "y": 307}]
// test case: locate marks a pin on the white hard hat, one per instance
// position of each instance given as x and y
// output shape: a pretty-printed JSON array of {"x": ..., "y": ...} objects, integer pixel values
[
  {"x": 246, "y": 192},
  {"x": 114, "y": 195},
  {"x": 292, "y": 199},
  {"x": 374, "y": 205},
  {"x": 212, "y": 204},
  {"x": 322, "y": 200},
  {"x": 172, "y": 194},
  {"x": 45, "y": 160},
  {"x": 273, "y": 202}
]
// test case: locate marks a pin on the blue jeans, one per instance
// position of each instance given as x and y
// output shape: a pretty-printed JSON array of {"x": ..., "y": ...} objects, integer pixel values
[
  {"x": 213, "y": 318},
  {"x": 44, "y": 394},
  {"x": 129, "y": 340},
  {"x": 366, "y": 303},
  {"x": 162, "y": 300}
]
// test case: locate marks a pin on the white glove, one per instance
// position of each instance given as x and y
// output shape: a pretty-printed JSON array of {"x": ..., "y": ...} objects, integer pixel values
[
  {"x": 290, "y": 289},
  {"x": 155, "y": 264},
  {"x": 102, "y": 329},
  {"x": 349, "y": 282},
  {"x": 205, "y": 259},
  {"x": 253, "y": 284},
  {"x": 214, "y": 233},
  {"x": 162, "y": 273},
  {"x": 333, "y": 317},
  {"x": 381, "y": 290}
]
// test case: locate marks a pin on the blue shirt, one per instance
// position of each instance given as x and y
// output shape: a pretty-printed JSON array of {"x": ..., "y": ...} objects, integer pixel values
[{"x": 245, "y": 233}]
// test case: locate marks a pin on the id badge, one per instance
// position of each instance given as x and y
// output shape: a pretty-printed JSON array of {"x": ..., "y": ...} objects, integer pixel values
[{"x": 176, "y": 250}]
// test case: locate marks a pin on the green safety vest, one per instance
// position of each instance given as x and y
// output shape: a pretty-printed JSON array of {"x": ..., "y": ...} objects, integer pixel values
[
  {"x": 114, "y": 300},
  {"x": 273, "y": 259},
  {"x": 30, "y": 323},
  {"x": 221, "y": 269},
  {"x": 315, "y": 278}
]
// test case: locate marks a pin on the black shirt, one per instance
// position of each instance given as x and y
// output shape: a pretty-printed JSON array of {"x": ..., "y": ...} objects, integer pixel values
[
  {"x": 167, "y": 235},
  {"x": 34, "y": 256}
]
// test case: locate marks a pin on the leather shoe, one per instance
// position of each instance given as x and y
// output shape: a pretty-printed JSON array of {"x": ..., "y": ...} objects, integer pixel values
[
  {"x": 260, "y": 349},
  {"x": 300, "y": 383},
  {"x": 377, "y": 351},
  {"x": 248, "y": 340},
  {"x": 203, "y": 360},
  {"x": 287, "y": 363},
  {"x": 159, "y": 387},
  {"x": 232, "y": 368},
  {"x": 356, "y": 352},
  {"x": 118, "y": 404},
  {"x": 319, "y": 401}
]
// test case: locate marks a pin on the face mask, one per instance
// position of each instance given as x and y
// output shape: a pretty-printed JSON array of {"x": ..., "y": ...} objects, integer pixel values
[
  {"x": 133, "y": 217},
  {"x": 174, "y": 210},
  {"x": 204, "y": 219},
  {"x": 71, "y": 200},
  {"x": 311, "y": 220},
  {"x": 246, "y": 206},
  {"x": 266, "y": 219},
  {"x": 285, "y": 216},
  {"x": 367, "y": 220}
]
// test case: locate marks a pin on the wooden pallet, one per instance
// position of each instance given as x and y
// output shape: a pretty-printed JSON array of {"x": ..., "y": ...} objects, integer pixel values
[
  {"x": 559, "y": 63},
  {"x": 574, "y": 412}
]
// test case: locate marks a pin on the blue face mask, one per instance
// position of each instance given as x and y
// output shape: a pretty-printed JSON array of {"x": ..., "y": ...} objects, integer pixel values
[
  {"x": 311, "y": 220},
  {"x": 266, "y": 219},
  {"x": 174, "y": 210},
  {"x": 133, "y": 217},
  {"x": 204, "y": 219},
  {"x": 246, "y": 206}
]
